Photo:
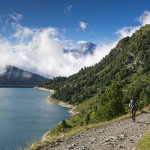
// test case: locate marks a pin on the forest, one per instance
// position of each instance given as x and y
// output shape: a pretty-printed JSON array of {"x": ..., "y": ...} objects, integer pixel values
[{"x": 127, "y": 64}]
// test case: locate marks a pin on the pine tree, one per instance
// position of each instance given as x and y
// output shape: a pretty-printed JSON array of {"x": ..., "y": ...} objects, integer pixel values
[
  {"x": 111, "y": 103},
  {"x": 63, "y": 124}
]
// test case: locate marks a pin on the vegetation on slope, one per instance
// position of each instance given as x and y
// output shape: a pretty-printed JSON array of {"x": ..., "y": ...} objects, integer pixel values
[
  {"x": 127, "y": 63},
  {"x": 144, "y": 143},
  {"x": 101, "y": 91}
]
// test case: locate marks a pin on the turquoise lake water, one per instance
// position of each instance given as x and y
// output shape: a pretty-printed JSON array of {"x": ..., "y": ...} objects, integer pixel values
[{"x": 25, "y": 116}]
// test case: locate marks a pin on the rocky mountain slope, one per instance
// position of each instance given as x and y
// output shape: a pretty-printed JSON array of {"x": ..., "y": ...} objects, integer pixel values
[{"x": 16, "y": 76}]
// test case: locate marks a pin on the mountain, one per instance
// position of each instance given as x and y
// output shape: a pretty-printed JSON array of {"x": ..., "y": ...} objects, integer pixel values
[
  {"x": 128, "y": 64},
  {"x": 83, "y": 49},
  {"x": 16, "y": 76},
  {"x": 103, "y": 91}
]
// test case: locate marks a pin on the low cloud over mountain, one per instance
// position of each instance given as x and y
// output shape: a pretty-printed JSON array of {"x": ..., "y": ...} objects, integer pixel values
[
  {"x": 16, "y": 76},
  {"x": 45, "y": 50}
]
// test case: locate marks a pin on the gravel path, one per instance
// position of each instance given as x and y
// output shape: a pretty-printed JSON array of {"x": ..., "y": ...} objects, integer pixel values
[{"x": 123, "y": 135}]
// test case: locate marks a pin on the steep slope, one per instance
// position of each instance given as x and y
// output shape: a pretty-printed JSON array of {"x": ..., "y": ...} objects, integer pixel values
[
  {"x": 127, "y": 64},
  {"x": 16, "y": 76},
  {"x": 96, "y": 94}
]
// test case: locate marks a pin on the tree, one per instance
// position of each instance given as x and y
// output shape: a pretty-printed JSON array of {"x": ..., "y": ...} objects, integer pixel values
[
  {"x": 63, "y": 124},
  {"x": 81, "y": 123},
  {"x": 111, "y": 103}
]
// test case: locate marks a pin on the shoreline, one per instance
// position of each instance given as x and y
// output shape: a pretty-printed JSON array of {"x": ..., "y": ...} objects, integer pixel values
[
  {"x": 44, "y": 89},
  {"x": 57, "y": 102},
  {"x": 63, "y": 104}
]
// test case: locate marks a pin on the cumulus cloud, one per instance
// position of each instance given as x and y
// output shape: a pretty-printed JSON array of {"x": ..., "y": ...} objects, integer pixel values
[
  {"x": 68, "y": 9},
  {"x": 144, "y": 18},
  {"x": 128, "y": 31},
  {"x": 41, "y": 50}
]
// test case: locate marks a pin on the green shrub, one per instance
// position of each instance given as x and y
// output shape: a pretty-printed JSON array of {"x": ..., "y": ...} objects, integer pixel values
[
  {"x": 111, "y": 104},
  {"x": 63, "y": 124},
  {"x": 81, "y": 123}
]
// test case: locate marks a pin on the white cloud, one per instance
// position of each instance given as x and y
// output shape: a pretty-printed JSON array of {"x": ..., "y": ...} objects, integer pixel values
[
  {"x": 81, "y": 42},
  {"x": 128, "y": 31},
  {"x": 68, "y": 9},
  {"x": 83, "y": 25},
  {"x": 41, "y": 50},
  {"x": 16, "y": 16},
  {"x": 144, "y": 18}
]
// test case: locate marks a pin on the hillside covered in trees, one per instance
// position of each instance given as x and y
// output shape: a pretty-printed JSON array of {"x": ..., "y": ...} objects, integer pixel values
[
  {"x": 128, "y": 64},
  {"x": 102, "y": 92}
]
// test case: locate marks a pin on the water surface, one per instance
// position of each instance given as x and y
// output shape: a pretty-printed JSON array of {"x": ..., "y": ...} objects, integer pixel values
[{"x": 26, "y": 116}]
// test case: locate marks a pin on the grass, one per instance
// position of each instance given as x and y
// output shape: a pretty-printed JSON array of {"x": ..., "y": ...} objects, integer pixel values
[
  {"x": 144, "y": 143},
  {"x": 76, "y": 129}
]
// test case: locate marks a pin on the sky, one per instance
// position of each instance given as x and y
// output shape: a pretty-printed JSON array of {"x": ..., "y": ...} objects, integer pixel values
[{"x": 33, "y": 33}]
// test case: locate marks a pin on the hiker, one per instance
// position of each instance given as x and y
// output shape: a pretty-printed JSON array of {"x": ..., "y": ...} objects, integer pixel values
[{"x": 133, "y": 107}]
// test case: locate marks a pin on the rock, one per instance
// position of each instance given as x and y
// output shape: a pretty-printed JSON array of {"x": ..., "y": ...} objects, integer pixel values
[
  {"x": 120, "y": 146},
  {"x": 122, "y": 136},
  {"x": 113, "y": 137}
]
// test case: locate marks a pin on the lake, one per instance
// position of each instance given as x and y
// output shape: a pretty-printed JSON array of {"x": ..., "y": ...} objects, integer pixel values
[{"x": 25, "y": 116}]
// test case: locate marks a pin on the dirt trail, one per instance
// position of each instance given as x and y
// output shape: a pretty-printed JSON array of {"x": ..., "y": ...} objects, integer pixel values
[{"x": 122, "y": 135}]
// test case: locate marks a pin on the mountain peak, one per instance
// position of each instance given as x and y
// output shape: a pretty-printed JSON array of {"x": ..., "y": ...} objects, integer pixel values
[
  {"x": 16, "y": 76},
  {"x": 84, "y": 48}
]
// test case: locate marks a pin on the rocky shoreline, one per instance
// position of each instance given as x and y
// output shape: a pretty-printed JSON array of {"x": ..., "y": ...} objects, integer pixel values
[
  {"x": 63, "y": 104},
  {"x": 58, "y": 102},
  {"x": 44, "y": 89}
]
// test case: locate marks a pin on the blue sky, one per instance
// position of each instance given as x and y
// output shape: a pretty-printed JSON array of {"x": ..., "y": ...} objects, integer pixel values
[{"x": 34, "y": 32}]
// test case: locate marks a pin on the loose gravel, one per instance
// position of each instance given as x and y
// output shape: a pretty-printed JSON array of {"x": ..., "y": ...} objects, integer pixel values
[{"x": 122, "y": 135}]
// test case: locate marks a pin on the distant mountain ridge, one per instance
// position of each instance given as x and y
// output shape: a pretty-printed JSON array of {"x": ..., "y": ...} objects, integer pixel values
[
  {"x": 16, "y": 76},
  {"x": 83, "y": 49}
]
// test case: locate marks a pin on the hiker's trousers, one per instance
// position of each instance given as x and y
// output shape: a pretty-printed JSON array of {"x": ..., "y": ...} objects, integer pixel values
[{"x": 133, "y": 114}]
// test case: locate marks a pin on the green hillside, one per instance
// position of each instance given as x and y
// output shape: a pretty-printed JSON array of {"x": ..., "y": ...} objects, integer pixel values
[
  {"x": 103, "y": 91},
  {"x": 128, "y": 64}
]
